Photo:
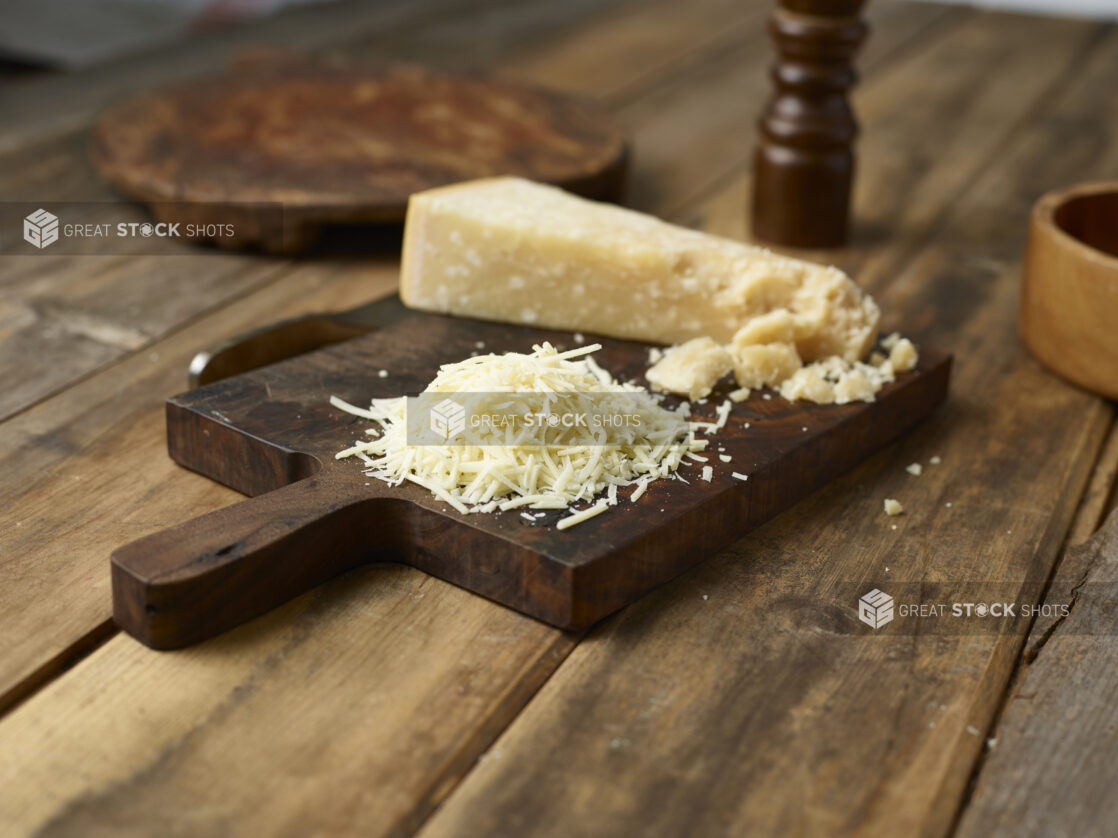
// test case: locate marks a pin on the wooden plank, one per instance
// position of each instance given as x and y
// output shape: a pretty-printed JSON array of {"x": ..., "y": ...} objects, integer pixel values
[
  {"x": 1098, "y": 501},
  {"x": 74, "y": 314},
  {"x": 623, "y": 56},
  {"x": 306, "y": 719},
  {"x": 746, "y": 698},
  {"x": 1052, "y": 769},
  {"x": 1077, "y": 561}
]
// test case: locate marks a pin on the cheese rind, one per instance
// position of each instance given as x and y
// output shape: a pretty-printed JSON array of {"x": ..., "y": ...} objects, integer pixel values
[{"x": 511, "y": 250}]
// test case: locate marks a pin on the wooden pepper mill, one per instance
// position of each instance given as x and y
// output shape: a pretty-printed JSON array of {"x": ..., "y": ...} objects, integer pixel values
[{"x": 804, "y": 162}]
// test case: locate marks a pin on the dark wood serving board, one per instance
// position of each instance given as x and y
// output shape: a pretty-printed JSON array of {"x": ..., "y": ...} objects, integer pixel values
[
  {"x": 287, "y": 143},
  {"x": 271, "y": 433}
]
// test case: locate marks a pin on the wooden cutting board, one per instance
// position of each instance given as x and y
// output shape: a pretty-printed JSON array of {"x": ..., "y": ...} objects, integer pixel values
[
  {"x": 271, "y": 433},
  {"x": 287, "y": 143}
]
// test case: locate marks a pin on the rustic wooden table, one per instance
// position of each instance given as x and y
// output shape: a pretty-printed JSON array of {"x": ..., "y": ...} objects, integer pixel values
[{"x": 744, "y": 698}]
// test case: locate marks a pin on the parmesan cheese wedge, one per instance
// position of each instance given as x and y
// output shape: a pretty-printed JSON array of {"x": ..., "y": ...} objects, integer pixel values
[{"x": 511, "y": 250}]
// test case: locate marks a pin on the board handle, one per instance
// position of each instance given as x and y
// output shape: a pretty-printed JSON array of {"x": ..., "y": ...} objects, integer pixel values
[{"x": 200, "y": 578}]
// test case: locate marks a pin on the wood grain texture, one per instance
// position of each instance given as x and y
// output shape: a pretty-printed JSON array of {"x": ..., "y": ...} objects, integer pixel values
[
  {"x": 374, "y": 693},
  {"x": 697, "y": 709},
  {"x": 261, "y": 431},
  {"x": 87, "y": 471},
  {"x": 623, "y": 55},
  {"x": 1098, "y": 501},
  {"x": 158, "y": 739},
  {"x": 280, "y": 148},
  {"x": 1052, "y": 771}
]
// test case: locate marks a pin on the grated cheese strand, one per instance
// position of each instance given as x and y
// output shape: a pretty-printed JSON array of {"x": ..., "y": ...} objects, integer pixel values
[{"x": 508, "y": 473}]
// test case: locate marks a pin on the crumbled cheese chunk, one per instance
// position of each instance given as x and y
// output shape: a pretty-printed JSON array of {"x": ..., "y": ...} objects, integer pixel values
[
  {"x": 903, "y": 355},
  {"x": 739, "y": 395},
  {"x": 763, "y": 365},
  {"x": 692, "y": 368},
  {"x": 777, "y": 326},
  {"x": 915, "y": 469},
  {"x": 893, "y": 507}
]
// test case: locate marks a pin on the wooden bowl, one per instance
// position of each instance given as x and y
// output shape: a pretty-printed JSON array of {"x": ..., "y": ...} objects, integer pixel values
[{"x": 1069, "y": 295}]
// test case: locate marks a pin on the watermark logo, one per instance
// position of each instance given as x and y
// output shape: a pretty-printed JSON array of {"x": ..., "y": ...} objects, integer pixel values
[
  {"x": 545, "y": 419},
  {"x": 875, "y": 609},
  {"x": 40, "y": 228},
  {"x": 448, "y": 418}
]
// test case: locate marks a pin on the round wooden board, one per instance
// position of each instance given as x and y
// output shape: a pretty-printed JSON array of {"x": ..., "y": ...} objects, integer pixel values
[{"x": 280, "y": 148}]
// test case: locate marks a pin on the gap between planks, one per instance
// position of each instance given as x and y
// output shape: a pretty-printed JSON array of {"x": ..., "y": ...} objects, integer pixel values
[{"x": 1095, "y": 503}]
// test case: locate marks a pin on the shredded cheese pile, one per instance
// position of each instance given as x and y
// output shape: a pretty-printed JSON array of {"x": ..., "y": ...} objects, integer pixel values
[{"x": 507, "y": 474}]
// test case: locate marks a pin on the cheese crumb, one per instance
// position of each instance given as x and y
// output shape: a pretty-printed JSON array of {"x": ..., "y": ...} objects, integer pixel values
[
  {"x": 893, "y": 507},
  {"x": 708, "y": 473},
  {"x": 935, "y": 461},
  {"x": 739, "y": 395},
  {"x": 915, "y": 469},
  {"x": 737, "y": 475},
  {"x": 691, "y": 369},
  {"x": 382, "y": 374},
  {"x": 725, "y": 458},
  {"x": 903, "y": 355},
  {"x": 765, "y": 365},
  {"x": 778, "y": 364}
]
